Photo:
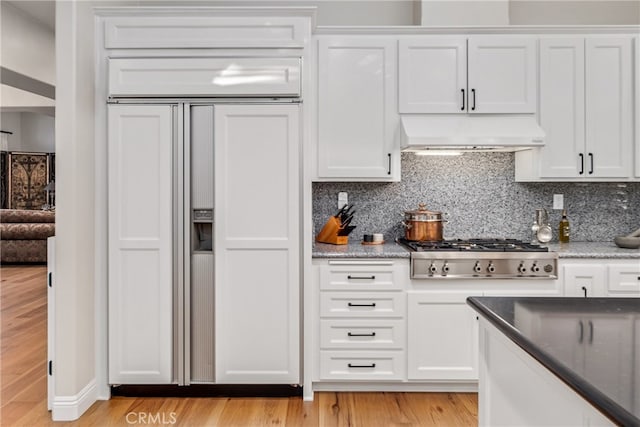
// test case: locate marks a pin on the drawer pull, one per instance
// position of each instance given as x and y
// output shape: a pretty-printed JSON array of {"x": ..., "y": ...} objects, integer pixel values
[
  {"x": 373, "y": 304},
  {"x": 350, "y": 277},
  {"x": 351, "y": 334},
  {"x": 351, "y": 365}
]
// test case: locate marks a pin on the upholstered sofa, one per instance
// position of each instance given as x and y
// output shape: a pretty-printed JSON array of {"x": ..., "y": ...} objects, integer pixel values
[{"x": 23, "y": 235}]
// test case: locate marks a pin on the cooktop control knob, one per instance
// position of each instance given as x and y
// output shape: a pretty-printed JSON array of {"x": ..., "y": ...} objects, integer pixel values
[
  {"x": 535, "y": 268},
  {"x": 433, "y": 268},
  {"x": 445, "y": 268},
  {"x": 491, "y": 268},
  {"x": 521, "y": 268},
  {"x": 477, "y": 267}
]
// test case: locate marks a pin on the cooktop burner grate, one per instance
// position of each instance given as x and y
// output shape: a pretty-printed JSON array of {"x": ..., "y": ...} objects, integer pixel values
[{"x": 473, "y": 245}]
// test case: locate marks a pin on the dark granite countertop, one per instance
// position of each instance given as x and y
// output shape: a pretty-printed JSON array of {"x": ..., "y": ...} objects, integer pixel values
[{"x": 592, "y": 344}]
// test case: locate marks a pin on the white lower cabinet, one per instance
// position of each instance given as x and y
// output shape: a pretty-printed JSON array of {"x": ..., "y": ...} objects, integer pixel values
[
  {"x": 624, "y": 279},
  {"x": 443, "y": 336},
  {"x": 361, "y": 328},
  {"x": 601, "y": 278},
  {"x": 584, "y": 280},
  {"x": 516, "y": 390}
]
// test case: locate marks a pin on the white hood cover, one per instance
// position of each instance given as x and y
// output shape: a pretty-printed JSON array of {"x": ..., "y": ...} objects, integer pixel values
[{"x": 471, "y": 132}]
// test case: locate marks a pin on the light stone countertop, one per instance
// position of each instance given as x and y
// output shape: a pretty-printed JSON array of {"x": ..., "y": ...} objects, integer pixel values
[
  {"x": 355, "y": 249},
  {"x": 605, "y": 250}
]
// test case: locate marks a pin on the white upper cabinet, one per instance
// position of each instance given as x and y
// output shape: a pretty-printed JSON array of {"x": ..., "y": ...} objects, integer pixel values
[
  {"x": 586, "y": 110},
  {"x": 162, "y": 77},
  {"x": 357, "y": 120},
  {"x": 478, "y": 74},
  {"x": 427, "y": 88},
  {"x": 609, "y": 107}
]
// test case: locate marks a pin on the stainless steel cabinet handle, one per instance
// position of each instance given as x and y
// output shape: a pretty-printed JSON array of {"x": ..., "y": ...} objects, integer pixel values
[
  {"x": 351, "y": 365},
  {"x": 389, "y": 170},
  {"x": 590, "y": 332},
  {"x": 591, "y": 162},
  {"x": 373, "y": 304},
  {"x": 350, "y": 277},
  {"x": 462, "y": 100},
  {"x": 473, "y": 92},
  {"x": 371, "y": 334}
]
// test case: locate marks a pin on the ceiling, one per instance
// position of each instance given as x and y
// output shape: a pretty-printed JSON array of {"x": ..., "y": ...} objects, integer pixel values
[{"x": 43, "y": 11}]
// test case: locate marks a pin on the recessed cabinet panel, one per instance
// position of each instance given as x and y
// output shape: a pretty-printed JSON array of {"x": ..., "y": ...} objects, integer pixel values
[
  {"x": 443, "y": 336},
  {"x": 562, "y": 106},
  {"x": 162, "y": 77},
  {"x": 140, "y": 144},
  {"x": 362, "y": 304},
  {"x": 359, "y": 365},
  {"x": 432, "y": 75},
  {"x": 357, "y": 109},
  {"x": 609, "y": 110},
  {"x": 502, "y": 74},
  {"x": 257, "y": 244},
  {"x": 125, "y": 32},
  {"x": 362, "y": 334},
  {"x": 624, "y": 280}
]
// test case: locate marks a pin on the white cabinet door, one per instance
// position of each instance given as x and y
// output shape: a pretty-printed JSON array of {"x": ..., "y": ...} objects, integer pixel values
[
  {"x": 584, "y": 280},
  {"x": 502, "y": 74},
  {"x": 562, "y": 107},
  {"x": 140, "y": 144},
  {"x": 612, "y": 335},
  {"x": 609, "y": 110},
  {"x": 442, "y": 336},
  {"x": 624, "y": 279},
  {"x": 257, "y": 244},
  {"x": 432, "y": 75},
  {"x": 484, "y": 74},
  {"x": 358, "y": 132}
]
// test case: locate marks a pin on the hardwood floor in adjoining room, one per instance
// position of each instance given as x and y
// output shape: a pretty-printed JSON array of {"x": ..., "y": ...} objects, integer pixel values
[{"x": 23, "y": 387}]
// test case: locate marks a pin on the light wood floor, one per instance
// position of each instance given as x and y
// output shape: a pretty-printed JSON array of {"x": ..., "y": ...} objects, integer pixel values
[{"x": 23, "y": 356}]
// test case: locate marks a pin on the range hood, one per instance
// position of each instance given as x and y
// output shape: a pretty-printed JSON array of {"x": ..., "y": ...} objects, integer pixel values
[{"x": 466, "y": 132}]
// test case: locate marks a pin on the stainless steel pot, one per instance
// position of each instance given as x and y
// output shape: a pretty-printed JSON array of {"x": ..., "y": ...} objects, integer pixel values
[{"x": 423, "y": 224}]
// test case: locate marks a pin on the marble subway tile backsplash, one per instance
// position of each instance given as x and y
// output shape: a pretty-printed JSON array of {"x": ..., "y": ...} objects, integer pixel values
[{"x": 478, "y": 195}]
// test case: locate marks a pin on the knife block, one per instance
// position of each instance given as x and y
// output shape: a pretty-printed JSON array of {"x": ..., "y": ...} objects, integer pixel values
[{"x": 329, "y": 233}]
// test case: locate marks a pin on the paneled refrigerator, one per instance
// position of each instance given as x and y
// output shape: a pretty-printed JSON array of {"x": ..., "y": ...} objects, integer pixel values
[{"x": 204, "y": 242}]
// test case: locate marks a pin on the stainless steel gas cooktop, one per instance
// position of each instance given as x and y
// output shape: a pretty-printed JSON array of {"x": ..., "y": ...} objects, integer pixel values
[{"x": 480, "y": 259}]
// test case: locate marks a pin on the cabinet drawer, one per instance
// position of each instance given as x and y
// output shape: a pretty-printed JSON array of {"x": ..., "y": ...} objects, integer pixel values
[
  {"x": 624, "y": 279},
  {"x": 337, "y": 365},
  {"x": 204, "y": 77},
  {"x": 361, "y": 275},
  {"x": 359, "y": 334},
  {"x": 362, "y": 304}
]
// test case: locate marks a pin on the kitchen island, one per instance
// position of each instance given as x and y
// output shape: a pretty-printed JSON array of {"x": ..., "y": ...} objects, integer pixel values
[{"x": 559, "y": 361}]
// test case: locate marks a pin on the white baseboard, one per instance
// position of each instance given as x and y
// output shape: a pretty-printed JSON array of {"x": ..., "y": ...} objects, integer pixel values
[{"x": 69, "y": 408}]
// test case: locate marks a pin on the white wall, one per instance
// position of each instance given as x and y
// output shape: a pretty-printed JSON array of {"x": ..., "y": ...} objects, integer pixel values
[
  {"x": 31, "y": 132},
  {"x": 74, "y": 264},
  {"x": 11, "y": 123},
  {"x": 530, "y": 12},
  {"x": 574, "y": 12},
  {"x": 28, "y": 47}
]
